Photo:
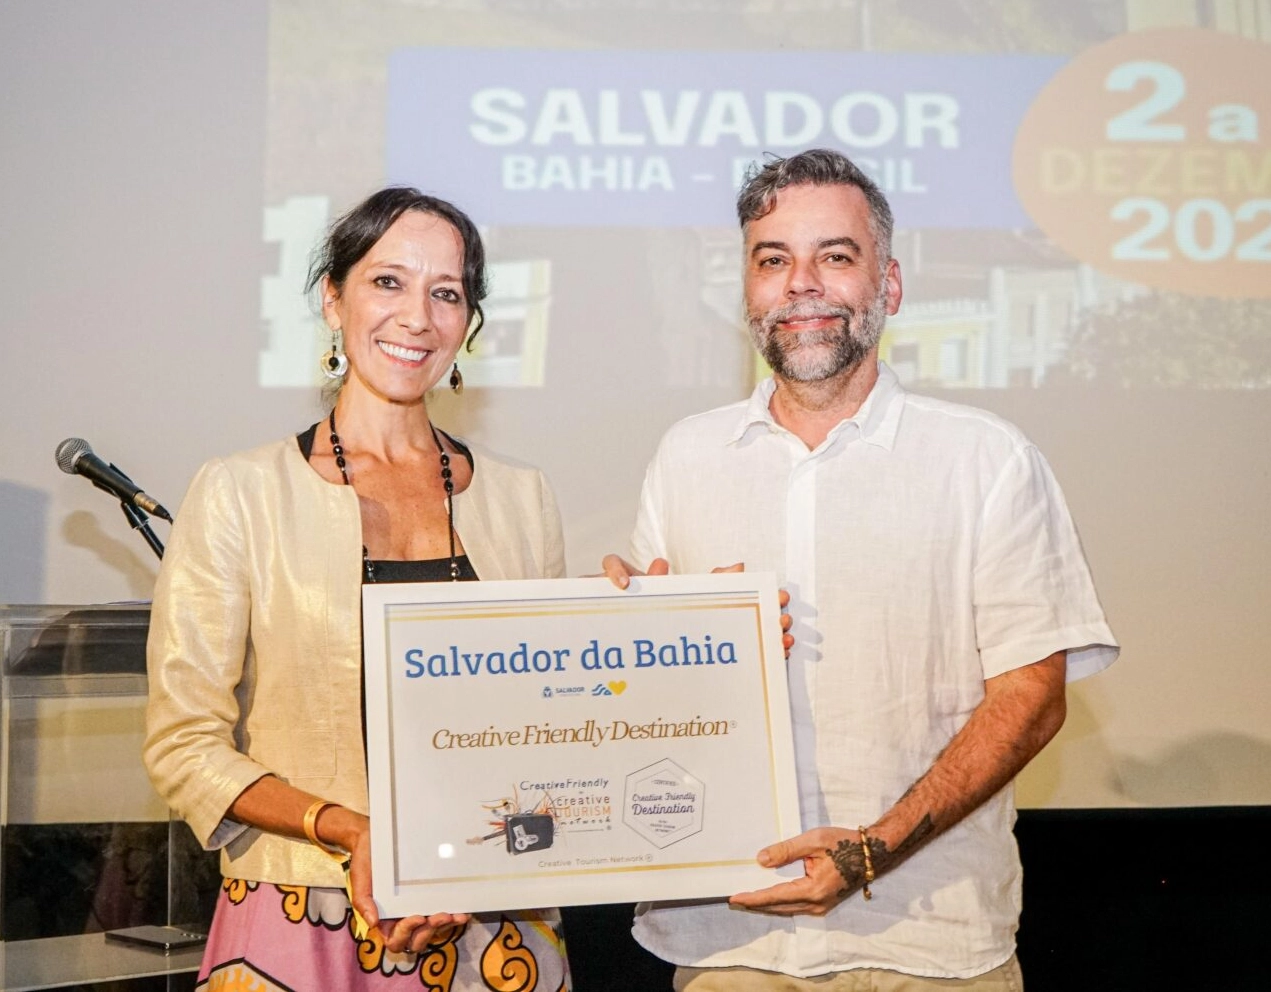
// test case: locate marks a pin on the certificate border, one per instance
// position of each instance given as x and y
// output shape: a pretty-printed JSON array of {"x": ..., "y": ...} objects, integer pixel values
[{"x": 536, "y": 598}]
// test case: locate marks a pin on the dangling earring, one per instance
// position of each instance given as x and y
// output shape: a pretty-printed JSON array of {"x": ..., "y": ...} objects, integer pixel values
[
  {"x": 456, "y": 379},
  {"x": 335, "y": 363}
]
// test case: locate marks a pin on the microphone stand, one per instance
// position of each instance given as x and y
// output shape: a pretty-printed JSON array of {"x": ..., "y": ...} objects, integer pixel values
[{"x": 139, "y": 521}]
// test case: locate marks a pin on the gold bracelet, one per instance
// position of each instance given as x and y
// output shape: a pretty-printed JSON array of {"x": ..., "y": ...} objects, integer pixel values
[
  {"x": 869, "y": 863},
  {"x": 310, "y": 827}
]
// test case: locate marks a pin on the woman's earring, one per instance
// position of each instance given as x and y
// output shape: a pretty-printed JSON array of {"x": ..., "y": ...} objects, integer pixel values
[
  {"x": 335, "y": 363},
  {"x": 456, "y": 379}
]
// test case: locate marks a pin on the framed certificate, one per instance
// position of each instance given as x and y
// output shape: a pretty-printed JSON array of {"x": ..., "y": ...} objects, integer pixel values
[{"x": 564, "y": 742}]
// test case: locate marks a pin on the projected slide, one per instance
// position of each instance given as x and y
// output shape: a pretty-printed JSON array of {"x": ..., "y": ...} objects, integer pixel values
[
  {"x": 1097, "y": 215},
  {"x": 1083, "y": 199}
]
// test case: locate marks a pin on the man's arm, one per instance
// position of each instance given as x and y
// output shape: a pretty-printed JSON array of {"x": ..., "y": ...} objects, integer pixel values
[{"x": 1021, "y": 711}]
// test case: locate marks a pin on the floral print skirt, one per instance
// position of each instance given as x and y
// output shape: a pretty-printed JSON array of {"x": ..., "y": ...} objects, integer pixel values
[{"x": 294, "y": 938}]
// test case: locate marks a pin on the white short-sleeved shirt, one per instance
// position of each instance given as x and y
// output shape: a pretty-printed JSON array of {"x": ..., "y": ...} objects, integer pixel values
[{"x": 926, "y": 547}]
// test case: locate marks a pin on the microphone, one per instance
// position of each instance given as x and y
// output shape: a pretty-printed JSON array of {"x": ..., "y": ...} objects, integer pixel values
[{"x": 75, "y": 457}]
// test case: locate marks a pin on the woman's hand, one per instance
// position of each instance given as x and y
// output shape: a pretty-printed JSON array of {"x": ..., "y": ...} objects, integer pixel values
[
  {"x": 352, "y": 831},
  {"x": 415, "y": 933}
]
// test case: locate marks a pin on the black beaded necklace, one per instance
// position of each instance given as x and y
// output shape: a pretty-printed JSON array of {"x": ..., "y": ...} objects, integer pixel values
[{"x": 368, "y": 566}]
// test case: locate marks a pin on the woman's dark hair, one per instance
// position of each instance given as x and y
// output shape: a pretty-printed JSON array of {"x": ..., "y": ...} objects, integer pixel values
[{"x": 353, "y": 235}]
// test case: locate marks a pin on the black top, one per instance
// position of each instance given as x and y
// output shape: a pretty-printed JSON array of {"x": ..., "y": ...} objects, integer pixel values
[{"x": 420, "y": 570}]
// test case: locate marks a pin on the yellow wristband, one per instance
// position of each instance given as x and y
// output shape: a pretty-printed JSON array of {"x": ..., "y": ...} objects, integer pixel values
[
  {"x": 310, "y": 827},
  {"x": 360, "y": 927}
]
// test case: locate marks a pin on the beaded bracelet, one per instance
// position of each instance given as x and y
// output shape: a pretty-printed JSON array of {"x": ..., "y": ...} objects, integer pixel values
[{"x": 869, "y": 863}]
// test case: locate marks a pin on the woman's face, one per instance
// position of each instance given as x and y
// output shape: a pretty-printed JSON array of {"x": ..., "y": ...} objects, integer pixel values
[{"x": 402, "y": 308}]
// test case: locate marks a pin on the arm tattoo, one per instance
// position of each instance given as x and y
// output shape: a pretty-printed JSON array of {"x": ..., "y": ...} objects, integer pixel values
[
  {"x": 849, "y": 859},
  {"x": 849, "y": 856},
  {"x": 920, "y": 834}
]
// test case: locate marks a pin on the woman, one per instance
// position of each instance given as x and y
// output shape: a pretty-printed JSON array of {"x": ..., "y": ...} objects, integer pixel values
[{"x": 255, "y": 724}]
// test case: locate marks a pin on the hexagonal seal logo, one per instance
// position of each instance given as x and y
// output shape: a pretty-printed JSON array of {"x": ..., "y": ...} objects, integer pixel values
[{"x": 664, "y": 803}]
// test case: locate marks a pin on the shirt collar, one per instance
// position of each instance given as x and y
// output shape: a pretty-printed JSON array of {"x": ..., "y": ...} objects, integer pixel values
[{"x": 876, "y": 422}]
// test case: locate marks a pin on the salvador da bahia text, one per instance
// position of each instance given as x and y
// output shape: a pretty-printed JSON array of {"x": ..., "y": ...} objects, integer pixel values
[{"x": 453, "y": 661}]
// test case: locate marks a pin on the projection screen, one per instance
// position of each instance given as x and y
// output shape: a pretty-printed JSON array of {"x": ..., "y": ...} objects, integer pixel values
[{"x": 1083, "y": 201}]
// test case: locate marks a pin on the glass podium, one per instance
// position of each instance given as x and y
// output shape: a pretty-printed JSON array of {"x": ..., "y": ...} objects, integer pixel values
[{"x": 87, "y": 845}]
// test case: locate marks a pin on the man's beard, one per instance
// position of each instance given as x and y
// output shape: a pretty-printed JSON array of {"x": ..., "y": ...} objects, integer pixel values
[{"x": 813, "y": 356}]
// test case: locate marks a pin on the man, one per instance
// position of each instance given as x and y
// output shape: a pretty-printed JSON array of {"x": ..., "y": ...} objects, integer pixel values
[{"x": 940, "y": 599}]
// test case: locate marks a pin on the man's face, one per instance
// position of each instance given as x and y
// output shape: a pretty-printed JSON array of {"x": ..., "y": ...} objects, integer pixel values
[{"x": 816, "y": 297}]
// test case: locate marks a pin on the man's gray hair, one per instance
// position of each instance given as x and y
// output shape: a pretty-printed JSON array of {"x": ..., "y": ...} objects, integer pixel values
[{"x": 815, "y": 167}]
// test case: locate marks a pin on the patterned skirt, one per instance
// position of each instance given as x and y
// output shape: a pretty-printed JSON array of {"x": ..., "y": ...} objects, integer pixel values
[{"x": 293, "y": 938}]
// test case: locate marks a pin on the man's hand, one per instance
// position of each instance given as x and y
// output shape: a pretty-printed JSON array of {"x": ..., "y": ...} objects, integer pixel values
[
  {"x": 787, "y": 621},
  {"x": 620, "y": 572},
  {"x": 1021, "y": 710},
  {"x": 833, "y": 868}
]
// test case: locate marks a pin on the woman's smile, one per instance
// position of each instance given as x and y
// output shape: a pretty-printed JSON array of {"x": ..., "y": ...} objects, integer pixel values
[{"x": 402, "y": 353}]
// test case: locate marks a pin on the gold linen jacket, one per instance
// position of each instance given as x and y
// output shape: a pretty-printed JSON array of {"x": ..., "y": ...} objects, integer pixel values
[{"x": 255, "y": 648}]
